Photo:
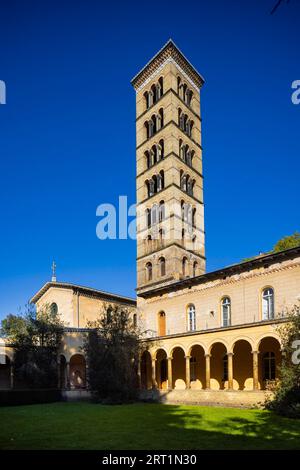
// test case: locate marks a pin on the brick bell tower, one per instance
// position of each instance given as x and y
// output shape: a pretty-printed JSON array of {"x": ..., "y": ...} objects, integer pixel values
[{"x": 169, "y": 182}]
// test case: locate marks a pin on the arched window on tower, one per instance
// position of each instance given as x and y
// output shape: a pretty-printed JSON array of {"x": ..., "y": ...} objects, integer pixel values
[
  {"x": 146, "y": 97},
  {"x": 160, "y": 88},
  {"x": 226, "y": 311},
  {"x": 162, "y": 266},
  {"x": 182, "y": 204},
  {"x": 149, "y": 271},
  {"x": 154, "y": 214},
  {"x": 184, "y": 266},
  {"x": 161, "y": 118},
  {"x": 146, "y": 125},
  {"x": 178, "y": 85},
  {"x": 161, "y": 211},
  {"x": 160, "y": 149},
  {"x": 148, "y": 218},
  {"x": 268, "y": 304},
  {"x": 149, "y": 243},
  {"x": 194, "y": 217},
  {"x": 195, "y": 268},
  {"x": 162, "y": 180},
  {"x": 150, "y": 98},
  {"x": 189, "y": 95},
  {"x": 148, "y": 159},
  {"x": 153, "y": 92},
  {"x": 161, "y": 235}
]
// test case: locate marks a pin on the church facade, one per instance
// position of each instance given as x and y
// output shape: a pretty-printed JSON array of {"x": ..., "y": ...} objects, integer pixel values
[{"x": 206, "y": 332}]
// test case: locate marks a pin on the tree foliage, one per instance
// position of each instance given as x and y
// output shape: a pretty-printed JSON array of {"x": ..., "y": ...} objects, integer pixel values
[
  {"x": 287, "y": 393},
  {"x": 285, "y": 243},
  {"x": 290, "y": 241},
  {"x": 112, "y": 349},
  {"x": 35, "y": 337}
]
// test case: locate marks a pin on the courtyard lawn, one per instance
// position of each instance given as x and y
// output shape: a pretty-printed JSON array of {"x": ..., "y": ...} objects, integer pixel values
[{"x": 143, "y": 426}]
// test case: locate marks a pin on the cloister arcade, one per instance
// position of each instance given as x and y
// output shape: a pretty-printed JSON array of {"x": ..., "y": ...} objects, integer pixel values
[
  {"x": 72, "y": 373},
  {"x": 243, "y": 365}
]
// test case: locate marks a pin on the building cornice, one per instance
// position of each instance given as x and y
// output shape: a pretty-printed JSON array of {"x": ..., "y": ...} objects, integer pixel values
[
  {"x": 173, "y": 92},
  {"x": 170, "y": 154},
  {"x": 220, "y": 329},
  {"x": 169, "y": 53},
  {"x": 264, "y": 261},
  {"x": 149, "y": 139}
]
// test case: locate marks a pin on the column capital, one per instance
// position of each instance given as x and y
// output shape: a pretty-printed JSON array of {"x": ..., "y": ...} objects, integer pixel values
[
  {"x": 187, "y": 357},
  {"x": 254, "y": 352},
  {"x": 230, "y": 354},
  {"x": 169, "y": 358},
  {"x": 207, "y": 355}
]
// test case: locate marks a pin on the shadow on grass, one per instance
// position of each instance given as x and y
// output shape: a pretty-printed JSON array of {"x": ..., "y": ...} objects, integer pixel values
[
  {"x": 144, "y": 426},
  {"x": 227, "y": 428}
]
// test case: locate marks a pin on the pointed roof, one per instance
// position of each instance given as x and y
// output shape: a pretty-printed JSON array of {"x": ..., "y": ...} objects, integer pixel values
[{"x": 169, "y": 52}]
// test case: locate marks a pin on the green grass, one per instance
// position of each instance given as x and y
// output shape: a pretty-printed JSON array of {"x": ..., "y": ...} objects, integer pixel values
[{"x": 143, "y": 426}]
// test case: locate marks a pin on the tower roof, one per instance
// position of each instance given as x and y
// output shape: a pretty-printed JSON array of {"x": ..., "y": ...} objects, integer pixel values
[{"x": 168, "y": 53}]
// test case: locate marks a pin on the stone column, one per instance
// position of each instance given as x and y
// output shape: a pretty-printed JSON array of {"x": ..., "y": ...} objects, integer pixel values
[
  {"x": 68, "y": 382},
  {"x": 188, "y": 371},
  {"x": 170, "y": 377},
  {"x": 230, "y": 371},
  {"x": 255, "y": 369},
  {"x": 207, "y": 370},
  {"x": 153, "y": 373}
]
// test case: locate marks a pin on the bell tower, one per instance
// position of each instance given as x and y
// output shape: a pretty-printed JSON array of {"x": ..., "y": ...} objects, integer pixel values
[{"x": 169, "y": 182}]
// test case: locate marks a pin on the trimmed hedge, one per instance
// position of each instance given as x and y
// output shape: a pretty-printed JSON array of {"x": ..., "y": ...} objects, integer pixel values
[{"x": 28, "y": 397}]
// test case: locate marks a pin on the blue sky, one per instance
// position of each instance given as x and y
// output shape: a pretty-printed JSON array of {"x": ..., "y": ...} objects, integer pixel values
[{"x": 69, "y": 123}]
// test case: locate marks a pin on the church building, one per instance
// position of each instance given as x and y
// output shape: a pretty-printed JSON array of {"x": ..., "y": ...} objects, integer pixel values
[{"x": 212, "y": 336}]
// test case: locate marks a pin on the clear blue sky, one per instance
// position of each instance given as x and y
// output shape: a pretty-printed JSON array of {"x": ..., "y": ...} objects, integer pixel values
[{"x": 69, "y": 124}]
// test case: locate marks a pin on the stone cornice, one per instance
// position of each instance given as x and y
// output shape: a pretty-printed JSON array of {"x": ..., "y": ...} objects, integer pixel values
[
  {"x": 172, "y": 243},
  {"x": 174, "y": 154},
  {"x": 169, "y": 53},
  {"x": 220, "y": 329},
  {"x": 164, "y": 127},
  {"x": 189, "y": 108},
  {"x": 144, "y": 201},
  {"x": 241, "y": 271}
]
